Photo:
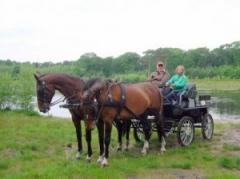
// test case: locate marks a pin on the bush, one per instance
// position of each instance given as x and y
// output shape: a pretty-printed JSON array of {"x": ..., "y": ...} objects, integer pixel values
[{"x": 16, "y": 92}]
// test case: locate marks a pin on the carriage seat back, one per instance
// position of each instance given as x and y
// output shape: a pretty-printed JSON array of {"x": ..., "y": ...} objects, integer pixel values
[
  {"x": 188, "y": 97},
  {"x": 191, "y": 91}
]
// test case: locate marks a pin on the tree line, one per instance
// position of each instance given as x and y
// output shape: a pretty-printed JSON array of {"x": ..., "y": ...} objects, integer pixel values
[
  {"x": 220, "y": 62},
  {"x": 17, "y": 82}
]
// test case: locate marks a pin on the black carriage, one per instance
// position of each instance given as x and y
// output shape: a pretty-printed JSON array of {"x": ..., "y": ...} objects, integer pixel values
[{"x": 182, "y": 118}]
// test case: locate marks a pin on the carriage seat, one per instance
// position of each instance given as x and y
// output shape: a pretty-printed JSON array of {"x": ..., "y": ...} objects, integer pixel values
[{"x": 188, "y": 97}]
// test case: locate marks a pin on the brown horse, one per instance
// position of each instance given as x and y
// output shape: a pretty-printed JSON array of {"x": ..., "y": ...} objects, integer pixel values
[
  {"x": 120, "y": 103},
  {"x": 69, "y": 86}
]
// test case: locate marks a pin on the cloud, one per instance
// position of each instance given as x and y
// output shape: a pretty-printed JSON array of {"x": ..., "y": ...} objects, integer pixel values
[{"x": 63, "y": 30}]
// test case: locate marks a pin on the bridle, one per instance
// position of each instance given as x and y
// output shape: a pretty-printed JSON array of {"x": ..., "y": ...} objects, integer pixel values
[
  {"x": 42, "y": 94},
  {"x": 44, "y": 98}
]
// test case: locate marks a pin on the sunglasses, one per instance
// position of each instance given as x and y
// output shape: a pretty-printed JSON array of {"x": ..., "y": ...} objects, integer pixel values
[{"x": 160, "y": 65}]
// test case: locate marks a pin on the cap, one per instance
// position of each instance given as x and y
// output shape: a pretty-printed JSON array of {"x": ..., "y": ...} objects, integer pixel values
[{"x": 160, "y": 63}]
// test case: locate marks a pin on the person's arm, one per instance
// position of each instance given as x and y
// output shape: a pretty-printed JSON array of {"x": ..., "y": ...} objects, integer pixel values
[
  {"x": 171, "y": 81},
  {"x": 165, "y": 78},
  {"x": 181, "y": 83}
]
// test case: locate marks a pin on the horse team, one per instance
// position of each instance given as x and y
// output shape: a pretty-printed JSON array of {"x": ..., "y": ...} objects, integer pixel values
[{"x": 104, "y": 103}]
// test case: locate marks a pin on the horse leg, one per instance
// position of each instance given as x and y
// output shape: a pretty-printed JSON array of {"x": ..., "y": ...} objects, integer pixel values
[
  {"x": 100, "y": 127},
  {"x": 146, "y": 129},
  {"x": 107, "y": 139},
  {"x": 119, "y": 127},
  {"x": 77, "y": 124},
  {"x": 128, "y": 127},
  {"x": 160, "y": 131},
  {"x": 89, "y": 139}
]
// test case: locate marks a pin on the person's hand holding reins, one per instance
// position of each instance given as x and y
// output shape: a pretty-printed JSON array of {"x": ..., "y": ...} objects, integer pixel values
[{"x": 172, "y": 86}]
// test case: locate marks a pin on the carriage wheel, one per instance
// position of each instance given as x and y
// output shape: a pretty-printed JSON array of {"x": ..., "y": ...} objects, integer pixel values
[
  {"x": 207, "y": 127},
  {"x": 138, "y": 134},
  {"x": 185, "y": 132}
]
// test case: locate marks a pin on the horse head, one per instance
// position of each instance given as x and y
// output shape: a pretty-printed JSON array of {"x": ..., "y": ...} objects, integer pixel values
[
  {"x": 90, "y": 98},
  {"x": 45, "y": 92},
  {"x": 92, "y": 90}
]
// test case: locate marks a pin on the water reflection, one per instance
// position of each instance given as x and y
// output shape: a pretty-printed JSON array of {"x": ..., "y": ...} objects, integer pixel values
[
  {"x": 224, "y": 105},
  {"x": 56, "y": 111}
]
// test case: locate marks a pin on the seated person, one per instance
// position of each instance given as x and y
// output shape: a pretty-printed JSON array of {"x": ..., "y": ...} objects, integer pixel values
[
  {"x": 177, "y": 84},
  {"x": 160, "y": 76}
]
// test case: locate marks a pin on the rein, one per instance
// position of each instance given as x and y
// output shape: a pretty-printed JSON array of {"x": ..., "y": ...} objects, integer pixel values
[
  {"x": 57, "y": 101},
  {"x": 62, "y": 99}
]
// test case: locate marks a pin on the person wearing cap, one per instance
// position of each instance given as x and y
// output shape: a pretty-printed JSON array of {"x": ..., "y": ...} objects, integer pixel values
[{"x": 160, "y": 76}]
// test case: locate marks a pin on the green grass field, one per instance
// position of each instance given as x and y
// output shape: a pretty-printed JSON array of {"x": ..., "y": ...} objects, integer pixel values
[
  {"x": 216, "y": 84},
  {"x": 43, "y": 147}
]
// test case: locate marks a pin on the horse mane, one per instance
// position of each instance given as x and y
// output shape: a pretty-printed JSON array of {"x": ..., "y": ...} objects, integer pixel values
[
  {"x": 63, "y": 74},
  {"x": 90, "y": 83}
]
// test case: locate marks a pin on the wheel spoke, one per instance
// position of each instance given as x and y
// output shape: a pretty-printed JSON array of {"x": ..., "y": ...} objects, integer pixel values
[
  {"x": 207, "y": 126},
  {"x": 185, "y": 131}
]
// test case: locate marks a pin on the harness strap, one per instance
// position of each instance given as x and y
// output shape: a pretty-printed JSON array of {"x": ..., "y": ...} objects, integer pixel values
[
  {"x": 119, "y": 105},
  {"x": 122, "y": 101}
]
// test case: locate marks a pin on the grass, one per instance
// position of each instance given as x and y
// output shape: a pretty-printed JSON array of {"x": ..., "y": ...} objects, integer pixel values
[
  {"x": 182, "y": 165},
  {"x": 44, "y": 147},
  {"x": 217, "y": 84},
  {"x": 230, "y": 162},
  {"x": 231, "y": 147}
]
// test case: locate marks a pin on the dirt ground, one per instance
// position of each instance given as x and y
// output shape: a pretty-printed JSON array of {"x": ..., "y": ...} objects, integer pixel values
[
  {"x": 171, "y": 174},
  {"x": 231, "y": 136}
]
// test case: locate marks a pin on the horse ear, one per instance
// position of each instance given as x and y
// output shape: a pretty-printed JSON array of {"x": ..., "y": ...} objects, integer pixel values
[{"x": 36, "y": 77}]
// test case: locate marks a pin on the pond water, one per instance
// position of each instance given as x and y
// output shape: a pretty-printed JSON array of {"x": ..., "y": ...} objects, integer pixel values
[
  {"x": 55, "y": 111},
  {"x": 224, "y": 105}
]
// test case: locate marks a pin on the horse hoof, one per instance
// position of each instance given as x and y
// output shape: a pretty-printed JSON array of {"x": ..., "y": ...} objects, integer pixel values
[
  {"x": 89, "y": 158},
  {"x": 163, "y": 150},
  {"x": 104, "y": 163},
  {"x": 78, "y": 156},
  {"x": 144, "y": 152},
  {"x": 100, "y": 159}
]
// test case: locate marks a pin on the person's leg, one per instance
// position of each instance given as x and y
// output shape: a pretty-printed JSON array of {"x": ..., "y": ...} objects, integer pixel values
[{"x": 168, "y": 94}]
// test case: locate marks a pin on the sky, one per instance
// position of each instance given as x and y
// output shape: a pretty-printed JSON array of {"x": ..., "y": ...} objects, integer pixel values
[{"x": 58, "y": 30}]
